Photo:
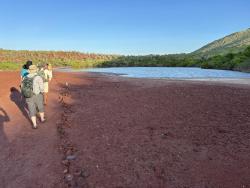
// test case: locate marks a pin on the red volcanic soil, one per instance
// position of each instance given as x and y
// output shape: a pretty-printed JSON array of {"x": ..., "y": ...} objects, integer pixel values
[{"x": 106, "y": 131}]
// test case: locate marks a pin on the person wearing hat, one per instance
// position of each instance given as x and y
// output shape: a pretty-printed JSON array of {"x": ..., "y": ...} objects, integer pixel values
[{"x": 36, "y": 100}]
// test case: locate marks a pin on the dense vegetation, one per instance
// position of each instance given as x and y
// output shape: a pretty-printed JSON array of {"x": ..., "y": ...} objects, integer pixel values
[
  {"x": 230, "y": 52},
  {"x": 231, "y": 61},
  {"x": 173, "y": 60},
  {"x": 13, "y": 60}
]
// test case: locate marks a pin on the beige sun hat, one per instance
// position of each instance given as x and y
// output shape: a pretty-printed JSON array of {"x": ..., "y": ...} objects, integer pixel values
[{"x": 32, "y": 69}]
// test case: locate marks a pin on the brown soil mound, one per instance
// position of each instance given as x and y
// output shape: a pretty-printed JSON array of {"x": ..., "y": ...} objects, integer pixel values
[{"x": 109, "y": 132}]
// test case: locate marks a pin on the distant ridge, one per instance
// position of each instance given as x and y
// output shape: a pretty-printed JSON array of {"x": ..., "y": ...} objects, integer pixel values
[{"x": 232, "y": 43}]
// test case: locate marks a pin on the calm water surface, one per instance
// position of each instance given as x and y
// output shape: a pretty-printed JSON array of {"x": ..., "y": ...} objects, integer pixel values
[{"x": 165, "y": 72}]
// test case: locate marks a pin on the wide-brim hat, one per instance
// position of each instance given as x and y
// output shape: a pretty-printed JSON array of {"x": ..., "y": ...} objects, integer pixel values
[{"x": 32, "y": 69}]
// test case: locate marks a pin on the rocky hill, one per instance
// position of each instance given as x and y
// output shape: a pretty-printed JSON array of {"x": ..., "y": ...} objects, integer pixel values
[{"x": 235, "y": 42}]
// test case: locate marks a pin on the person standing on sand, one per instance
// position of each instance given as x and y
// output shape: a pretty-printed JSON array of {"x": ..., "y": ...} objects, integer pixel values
[
  {"x": 48, "y": 77},
  {"x": 35, "y": 101}
]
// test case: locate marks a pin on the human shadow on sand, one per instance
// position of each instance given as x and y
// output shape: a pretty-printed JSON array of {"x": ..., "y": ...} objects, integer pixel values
[
  {"x": 3, "y": 118},
  {"x": 19, "y": 100}
]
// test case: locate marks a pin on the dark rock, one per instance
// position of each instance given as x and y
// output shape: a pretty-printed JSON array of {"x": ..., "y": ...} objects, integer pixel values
[
  {"x": 65, "y": 162},
  {"x": 68, "y": 177},
  {"x": 85, "y": 174}
]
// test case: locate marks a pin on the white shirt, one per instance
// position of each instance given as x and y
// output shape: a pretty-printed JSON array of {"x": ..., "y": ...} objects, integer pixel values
[{"x": 48, "y": 74}]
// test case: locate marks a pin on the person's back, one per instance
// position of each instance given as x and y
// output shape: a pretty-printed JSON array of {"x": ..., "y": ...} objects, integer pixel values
[
  {"x": 48, "y": 77},
  {"x": 38, "y": 86},
  {"x": 24, "y": 72}
]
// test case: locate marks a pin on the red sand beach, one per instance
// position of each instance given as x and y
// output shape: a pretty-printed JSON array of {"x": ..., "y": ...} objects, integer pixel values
[{"x": 106, "y": 131}]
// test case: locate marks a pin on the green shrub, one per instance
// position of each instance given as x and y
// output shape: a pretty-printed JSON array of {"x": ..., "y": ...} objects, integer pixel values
[
  {"x": 244, "y": 66},
  {"x": 10, "y": 66}
]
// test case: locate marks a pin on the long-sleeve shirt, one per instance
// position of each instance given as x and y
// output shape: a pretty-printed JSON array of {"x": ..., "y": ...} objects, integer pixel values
[{"x": 38, "y": 86}]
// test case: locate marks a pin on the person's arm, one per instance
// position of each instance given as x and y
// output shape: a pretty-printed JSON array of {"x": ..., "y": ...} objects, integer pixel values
[
  {"x": 50, "y": 75},
  {"x": 21, "y": 75}
]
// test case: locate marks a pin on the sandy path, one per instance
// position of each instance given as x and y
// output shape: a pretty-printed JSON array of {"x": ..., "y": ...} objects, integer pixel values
[{"x": 29, "y": 158}]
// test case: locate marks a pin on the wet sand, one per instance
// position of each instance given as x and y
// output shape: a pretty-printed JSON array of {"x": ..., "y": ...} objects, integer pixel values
[{"x": 124, "y": 132}]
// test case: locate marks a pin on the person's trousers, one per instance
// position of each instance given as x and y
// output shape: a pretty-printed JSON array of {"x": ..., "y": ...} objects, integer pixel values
[{"x": 34, "y": 103}]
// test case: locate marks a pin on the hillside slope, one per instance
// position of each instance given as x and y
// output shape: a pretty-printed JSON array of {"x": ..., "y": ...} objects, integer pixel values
[{"x": 235, "y": 42}]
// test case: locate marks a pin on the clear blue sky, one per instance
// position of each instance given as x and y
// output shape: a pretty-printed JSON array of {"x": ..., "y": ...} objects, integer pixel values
[{"x": 119, "y": 26}]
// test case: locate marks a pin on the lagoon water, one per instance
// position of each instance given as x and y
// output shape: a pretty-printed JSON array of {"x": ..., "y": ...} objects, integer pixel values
[{"x": 166, "y": 72}]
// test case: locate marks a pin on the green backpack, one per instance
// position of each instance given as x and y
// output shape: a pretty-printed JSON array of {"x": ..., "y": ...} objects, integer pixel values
[{"x": 27, "y": 87}]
